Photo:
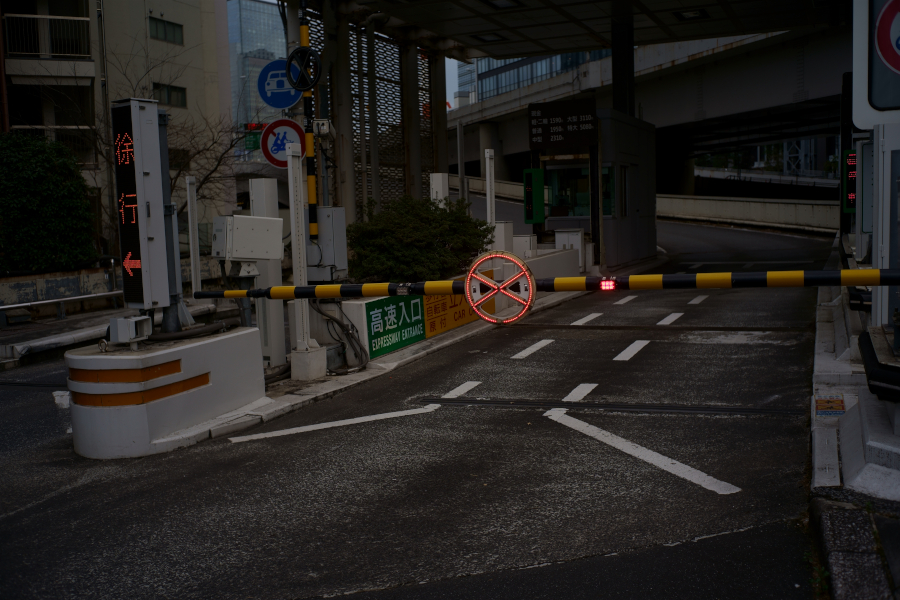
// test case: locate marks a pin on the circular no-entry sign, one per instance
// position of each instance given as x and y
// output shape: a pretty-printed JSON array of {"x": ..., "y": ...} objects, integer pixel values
[
  {"x": 275, "y": 138},
  {"x": 518, "y": 287},
  {"x": 887, "y": 35}
]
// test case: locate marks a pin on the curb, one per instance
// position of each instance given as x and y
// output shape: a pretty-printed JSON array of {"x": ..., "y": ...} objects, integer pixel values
[{"x": 855, "y": 560}]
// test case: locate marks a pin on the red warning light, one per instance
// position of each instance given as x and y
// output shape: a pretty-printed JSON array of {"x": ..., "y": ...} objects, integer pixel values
[{"x": 607, "y": 284}]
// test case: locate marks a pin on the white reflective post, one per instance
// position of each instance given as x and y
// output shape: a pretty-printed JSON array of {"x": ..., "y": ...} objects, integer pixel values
[
  {"x": 299, "y": 309},
  {"x": 269, "y": 313}
]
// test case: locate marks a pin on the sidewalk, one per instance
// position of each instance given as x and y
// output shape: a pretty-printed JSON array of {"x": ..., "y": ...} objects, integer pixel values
[{"x": 854, "y": 497}]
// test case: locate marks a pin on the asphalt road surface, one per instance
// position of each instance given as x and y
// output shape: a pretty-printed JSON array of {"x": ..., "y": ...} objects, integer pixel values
[{"x": 657, "y": 449}]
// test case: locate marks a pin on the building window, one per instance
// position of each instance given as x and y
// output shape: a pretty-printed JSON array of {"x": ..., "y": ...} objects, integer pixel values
[
  {"x": 170, "y": 95},
  {"x": 166, "y": 31}
]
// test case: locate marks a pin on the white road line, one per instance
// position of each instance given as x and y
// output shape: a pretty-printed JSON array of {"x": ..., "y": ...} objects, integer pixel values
[
  {"x": 625, "y": 300},
  {"x": 698, "y": 299},
  {"x": 391, "y": 415},
  {"x": 658, "y": 460},
  {"x": 670, "y": 319},
  {"x": 631, "y": 350},
  {"x": 459, "y": 391},
  {"x": 590, "y": 317},
  {"x": 579, "y": 392},
  {"x": 532, "y": 349}
]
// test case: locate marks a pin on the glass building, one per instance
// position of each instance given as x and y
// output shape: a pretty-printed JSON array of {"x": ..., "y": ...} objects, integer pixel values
[
  {"x": 465, "y": 75},
  {"x": 255, "y": 38},
  {"x": 495, "y": 77}
]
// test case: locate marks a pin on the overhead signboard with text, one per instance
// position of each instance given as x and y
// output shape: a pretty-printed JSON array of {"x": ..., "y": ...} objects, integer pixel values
[{"x": 564, "y": 125}]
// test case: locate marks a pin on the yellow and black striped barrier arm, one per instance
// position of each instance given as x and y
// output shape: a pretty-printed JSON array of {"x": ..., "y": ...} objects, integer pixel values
[{"x": 861, "y": 277}]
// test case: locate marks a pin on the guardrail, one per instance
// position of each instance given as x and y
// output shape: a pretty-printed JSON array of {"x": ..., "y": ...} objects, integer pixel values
[
  {"x": 47, "y": 36},
  {"x": 61, "y": 309}
]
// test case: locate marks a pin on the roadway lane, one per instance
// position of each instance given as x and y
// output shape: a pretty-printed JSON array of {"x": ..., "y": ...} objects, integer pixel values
[{"x": 472, "y": 500}]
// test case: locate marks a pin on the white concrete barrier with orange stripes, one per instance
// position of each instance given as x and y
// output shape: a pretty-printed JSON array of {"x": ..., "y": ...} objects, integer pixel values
[{"x": 127, "y": 404}]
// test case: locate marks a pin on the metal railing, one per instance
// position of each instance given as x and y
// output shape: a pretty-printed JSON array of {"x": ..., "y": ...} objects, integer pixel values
[{"x": 46, "y": 36}]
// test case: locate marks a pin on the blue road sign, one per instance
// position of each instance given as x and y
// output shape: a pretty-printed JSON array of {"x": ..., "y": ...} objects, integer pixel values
[{"x": 273, "y": 85}]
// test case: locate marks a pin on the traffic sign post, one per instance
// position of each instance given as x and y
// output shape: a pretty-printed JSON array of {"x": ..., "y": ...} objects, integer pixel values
[
  {"x": 273, "y": 85},
  {"x": 275, "y": 138},
  {"x": 306, "y": 68}
]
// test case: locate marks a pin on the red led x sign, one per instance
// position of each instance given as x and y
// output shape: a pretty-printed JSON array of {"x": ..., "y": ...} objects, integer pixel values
[{"x": 517, "y": 287}]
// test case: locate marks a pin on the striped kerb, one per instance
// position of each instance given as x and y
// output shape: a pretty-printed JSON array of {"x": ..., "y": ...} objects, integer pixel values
[
  {"x": 142, "y": 397},
  {"x": 125, "y": 375}
]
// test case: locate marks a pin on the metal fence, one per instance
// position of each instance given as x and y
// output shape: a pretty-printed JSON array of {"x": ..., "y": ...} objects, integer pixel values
[{"x": 47, "y": 36}]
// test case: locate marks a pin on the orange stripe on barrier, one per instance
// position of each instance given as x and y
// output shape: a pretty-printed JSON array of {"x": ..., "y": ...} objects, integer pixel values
[
  {"x": 143, "y": 397},
  {"x": 861, "y": 277},
  {"x": 125, "y": 375}
]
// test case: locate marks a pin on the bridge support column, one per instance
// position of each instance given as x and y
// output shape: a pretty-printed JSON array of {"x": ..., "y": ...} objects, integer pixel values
[
  {"x": 412, "y": 130},
  {"x": 439, "y": 112},
  {"x": 343, "y": 123},
  {"x": 623, "y": 57}
]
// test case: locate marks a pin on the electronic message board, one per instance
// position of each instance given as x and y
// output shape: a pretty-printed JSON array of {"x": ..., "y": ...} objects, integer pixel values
[
  {"x": 848, "y": 181},
  {"x": 139, "y": 203},
  {"x": 127, "y": 204},
  {"x": 565, "y": 125}
]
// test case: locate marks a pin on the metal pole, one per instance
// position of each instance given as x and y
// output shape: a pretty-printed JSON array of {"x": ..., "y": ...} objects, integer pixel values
[
  {"x": 190, "y": 184},
  {"x": 490, "y": 199},
  {"x": 461, "y": 161},
  {"x": 363, "y": 166},
  {"x": 170, "y": 321}
]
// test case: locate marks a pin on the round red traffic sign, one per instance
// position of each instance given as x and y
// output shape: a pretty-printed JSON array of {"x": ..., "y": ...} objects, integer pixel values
[
  {"x": 275, "y": 138},
  {"x": 887, "y": 35},
  {"x": 519, "y": 287}
]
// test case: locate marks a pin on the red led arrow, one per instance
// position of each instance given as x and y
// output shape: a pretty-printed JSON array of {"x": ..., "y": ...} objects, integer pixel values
[{"x": 130, "y": 264}]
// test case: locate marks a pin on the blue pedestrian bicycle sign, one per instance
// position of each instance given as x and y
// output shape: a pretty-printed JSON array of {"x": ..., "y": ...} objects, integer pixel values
[{"x": 273, "y": 85}]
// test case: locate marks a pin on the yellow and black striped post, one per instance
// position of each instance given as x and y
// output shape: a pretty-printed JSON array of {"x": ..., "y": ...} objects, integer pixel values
[
  {"x": 861, "y": 277},
  {"x": 310, "y": 139}
]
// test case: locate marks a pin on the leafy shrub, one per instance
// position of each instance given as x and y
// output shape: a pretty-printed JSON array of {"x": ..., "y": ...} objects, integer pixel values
[
  {"x": 413, "y": 239},
  {"x": 45, "y": 217}
]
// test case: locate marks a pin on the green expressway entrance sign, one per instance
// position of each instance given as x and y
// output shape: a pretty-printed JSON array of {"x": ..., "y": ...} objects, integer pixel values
[{"x": 394, "y": 322}]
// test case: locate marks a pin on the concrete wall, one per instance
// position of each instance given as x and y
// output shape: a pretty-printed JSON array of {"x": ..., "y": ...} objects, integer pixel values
[{"x": 810, "y": 215}]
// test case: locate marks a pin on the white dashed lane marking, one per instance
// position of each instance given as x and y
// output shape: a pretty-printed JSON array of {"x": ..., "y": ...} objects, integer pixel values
[
  {"x": 590, "y": 317},
  {"x": 391, "y": 415},
  {"x": 670, "y": 319},
  {"x": 579, "y": 392},
  {"x": 625, "y": 300},
  {"x": 698, "y": 299},
  {"x": 631, "y": 350},
  {"x": 532, "y": 349},
  {"x": 460, "y": 390},
  {"x": 654, "y": 458}
]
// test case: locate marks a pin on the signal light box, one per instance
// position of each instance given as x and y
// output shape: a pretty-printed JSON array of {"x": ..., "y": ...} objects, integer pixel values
[
  {"x": 534, "y": 195},
  {"x": 139, "y": 203}
]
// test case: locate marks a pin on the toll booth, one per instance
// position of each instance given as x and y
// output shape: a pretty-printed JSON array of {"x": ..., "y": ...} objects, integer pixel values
[{"x": 611, "y": 181}]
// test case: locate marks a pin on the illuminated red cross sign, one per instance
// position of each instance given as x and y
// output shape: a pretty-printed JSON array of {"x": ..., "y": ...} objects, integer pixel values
[{"x": 518, "y": 287}]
